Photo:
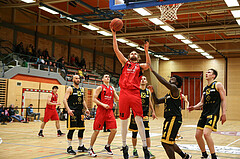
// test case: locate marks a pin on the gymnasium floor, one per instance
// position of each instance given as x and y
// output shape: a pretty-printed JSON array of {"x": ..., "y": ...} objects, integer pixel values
[{"x": 20, "y": 140}]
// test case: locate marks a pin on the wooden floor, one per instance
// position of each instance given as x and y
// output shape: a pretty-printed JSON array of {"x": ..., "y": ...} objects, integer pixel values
[{"x": 20, "y": 140}]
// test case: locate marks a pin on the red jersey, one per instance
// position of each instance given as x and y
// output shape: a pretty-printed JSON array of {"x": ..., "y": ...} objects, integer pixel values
[
  {"x": 106, "y": 96},
  {"x": 131, "y": 76},
  {"x": 53, "y": 100}
]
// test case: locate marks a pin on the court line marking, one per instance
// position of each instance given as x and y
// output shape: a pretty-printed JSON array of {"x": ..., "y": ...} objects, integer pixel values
[{"x": 233, "y": 142}]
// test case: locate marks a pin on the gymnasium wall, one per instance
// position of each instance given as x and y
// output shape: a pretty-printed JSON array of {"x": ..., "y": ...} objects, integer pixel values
[{"x": 191, "y": 65}]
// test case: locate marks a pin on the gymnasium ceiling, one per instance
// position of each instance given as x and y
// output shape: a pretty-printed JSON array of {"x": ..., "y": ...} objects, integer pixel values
[{"x": 208, "y": 24}]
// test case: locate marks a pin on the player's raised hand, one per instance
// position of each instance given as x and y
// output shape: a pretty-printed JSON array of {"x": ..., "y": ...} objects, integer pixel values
[
  {"x": 150, "y": 87},
  {"x": 113, "y": 32},
  {"x": 70, "y": 112},
  {"x": 154, "y": 116},
  {"x": 150, "y": 67},
  {"x": 223, "y": 118},
  {"x": 190, "y": 108},
  {"x": 146, "y": 45}
]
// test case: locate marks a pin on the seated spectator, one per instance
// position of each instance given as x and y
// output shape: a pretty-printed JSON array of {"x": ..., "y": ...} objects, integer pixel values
[
  {"x": 80, "y": 73},
  {"x": 77, "y": 61},
  {"x": 39, "y": 52},
  {"x": 6, "y": 112},
  {"x": 3, "y": 118},
  {"x": 12, "y": 113},
  {"x": 29, "y": 50},
  {"x": 86, "y": 74},
  {"x": 25, "y": 63},
  {"x": 53, "y": 58},
  {"x": 61, "y": 59},
  {"x": 42, "y": 60},
  {"x": 58, "y": 111},
  {"x": 39, "y": 59},
  {"x": 47, "y": 60},
  {"x": 45, "y": 54},
  {"x": 83, "y": 63},
  {"x": 63, "y": 114},
  {"x": 31, "y": 113},
  {"x": 72, "y": 61},
  {"x": 54, "y": 67},
  {"x": 17, "y": 112},
  {"x": 20, "y": 49}
]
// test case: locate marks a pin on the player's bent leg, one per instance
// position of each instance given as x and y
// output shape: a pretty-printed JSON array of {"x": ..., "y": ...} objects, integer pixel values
[
  {"x": 207, "y": 135},
  {"x": 201, "y": 143},
  {"x": 69, "y": 137}
]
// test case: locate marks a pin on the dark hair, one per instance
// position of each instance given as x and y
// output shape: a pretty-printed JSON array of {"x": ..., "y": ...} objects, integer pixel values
[
  {"x": 214, "y": 72},
  {"x": 106, "y": 74},
  {"x": 179, "y": 80},
  {"x": 30, "y": 104},
  {"x": 54, "y": 87}
]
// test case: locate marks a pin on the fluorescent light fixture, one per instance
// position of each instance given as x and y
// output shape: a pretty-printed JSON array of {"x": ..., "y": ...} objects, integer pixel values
[
  {"x": 132, "y": 44},
  {"x": 167, "y": 28},
  {"x": 150, "y": 52},
  {"x": 104, "y": 33},
  {"x": 90, "y": 27},
  {"x": 187, "y": 41},
  {"x": 142, "y": 11},
  {"x": 193, "y": 46},
  {"x": 209, "y": 57},
  {"x": 165, "y": 58},
  {"x": 199, "y": 50},
  {"x": 205, "y": 54},
  {"x": 28, "y": 1},
  {"x": 159, "y": 56},
  {"x": 156, "y": 21},
  {"x": 122, "y": 40},
  {"x": 238, "y": 21},
  {"x": 179, "y": 36},
  {"x": 48, "y": 10},
  {"x": 236, "y": 13},
  {"x": 232, "y": 3},
  {"x": 139, "y": 48},
  {"x": 71, "y": 19}
]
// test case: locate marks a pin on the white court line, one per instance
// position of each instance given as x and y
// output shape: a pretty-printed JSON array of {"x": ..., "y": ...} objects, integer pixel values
[{"x": 233, "y": 142}]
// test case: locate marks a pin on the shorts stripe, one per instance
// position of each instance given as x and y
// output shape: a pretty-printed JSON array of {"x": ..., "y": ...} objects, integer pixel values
[
  {"x": 170, "y": 128},
  {"x": 214, "y": 121}
]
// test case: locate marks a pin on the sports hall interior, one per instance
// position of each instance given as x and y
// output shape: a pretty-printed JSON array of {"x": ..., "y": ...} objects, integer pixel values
[{"x": 212, "y": 25}]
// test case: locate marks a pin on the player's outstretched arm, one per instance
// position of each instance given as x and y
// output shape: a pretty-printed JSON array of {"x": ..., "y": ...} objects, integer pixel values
[
  {"x": 199, "y": 105},
  {"x": 156, "y": 100},
  {"x": 222, "y": 93},
  {"x": 95, "y": 98},
  {"x": 66, "y": 96},
  {"x": 145, "y": 66},
  {"x": 119, "y": 54},
  {"x": 115, "y": 95},
  {"x": 185, "y": 101},
  {"x": 151, "y": 107}
]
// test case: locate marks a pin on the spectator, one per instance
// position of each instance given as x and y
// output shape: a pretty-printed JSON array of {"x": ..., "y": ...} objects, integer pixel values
[
  {"x": 19, "y": 48},
  {"x": 47, "y": 60},
  {"x": 54, "y": 67},
  {"x": 63, "y": 115},
  {"x": 63, "y": 69},
  {"x": 16, "y": 111},
  {"x": 83, "y": 63},
  {"x": 53, "y": 58},
  {"x": 58, "y": 111},
  {"x": 24, "y": 64},
  {"x": 61, "y": 59},
  {"x": 12, "y": 113},
  {"x": 39, "y": 52},
  {"x": 42, "y": 60},
  {"x": 93, "y": 112},
  {"x": 29, "y": 50},
  {"x": 80, "y": 73},
  {"x": 2, "y": 115},
  {"x": 39, "y": 59},
  {"x": 45, "y": 53},
  {"x": 77, "y": 61},
  {"x": 72, "y": 61},
  {"x": 6, "y": 112},
  {"x": 86, "y": 74},
  {"x": 31, "y": 113}
]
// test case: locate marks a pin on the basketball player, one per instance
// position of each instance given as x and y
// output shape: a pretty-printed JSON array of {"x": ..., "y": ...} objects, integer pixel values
[
  {"x": 74, "y": 103},
  {"x": 213, "y": 96},
  {"x": 129, "y": 83},
  {"x": 146, "y": 104},
  {"x": 103, "y": 97},
  {"x": 172, "y": 114},
  {"x": 51, "y": 112}
]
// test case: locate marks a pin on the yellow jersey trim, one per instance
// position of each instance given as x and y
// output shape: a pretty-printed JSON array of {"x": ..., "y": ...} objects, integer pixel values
[
  {"x": 174, "y": 97},
  {"x": 200, "y": 128},
  {"x": 168, "y": 142},
  {"x": 210, "y": 127},
  {"x": 170, "y": 128}
]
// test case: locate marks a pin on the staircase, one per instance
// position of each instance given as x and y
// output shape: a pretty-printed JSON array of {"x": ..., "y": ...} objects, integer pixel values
[{"x": 3, "y": 91}]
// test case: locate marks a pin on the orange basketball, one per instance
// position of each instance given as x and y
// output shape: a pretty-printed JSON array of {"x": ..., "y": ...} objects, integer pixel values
[{"x": 116, "y": 24}]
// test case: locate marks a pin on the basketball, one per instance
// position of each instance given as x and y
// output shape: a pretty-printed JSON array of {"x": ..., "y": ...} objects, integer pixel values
[{"x": 116, "y": 24}]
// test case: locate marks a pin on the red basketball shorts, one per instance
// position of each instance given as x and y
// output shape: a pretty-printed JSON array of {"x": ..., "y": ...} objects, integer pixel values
[
  {"x": 50, "y": 114},
  {"x": 130, "y": 99},
  {"x": 106, "y": 116}
]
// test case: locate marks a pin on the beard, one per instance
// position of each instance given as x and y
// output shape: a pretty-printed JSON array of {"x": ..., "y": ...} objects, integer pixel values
[
  {"x": 75, "y": 82},
  {"x": 133, "y": 58}
]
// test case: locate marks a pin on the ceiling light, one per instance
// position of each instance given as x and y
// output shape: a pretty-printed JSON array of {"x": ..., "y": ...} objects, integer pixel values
[
  {"x": 232, "y": 3},
  {"x": 90, "y": 27},
  {"x": 209, "y": 57},
  {"x": 150, "y": 52},
  {"x": 122, "y": 40},
  {"x": 142, "y": 11},
  {"x": 28, "y": 1},
  {"x": 165, "y": 58},
  {"x": 236, "y": 13},
  {"x": 199, "y": 50},
  {"x": 159, "y": 56},
  {"x": 132, "y": 44},
  {"x": 204, "y": 54},
  {"x": 48, "y": 10},
  {"x": 193, "y": 46},
  {"x": 71, "y": 19},
  {"x": 139, "y": 48},
  {"x": 186, "y": 41},
  {"x": 166, "y": 28},
  {"x": 179, "y": 36},
  {"x": 156, "y": 21},
  {"x": 104, "y": 33},
  {"x": 238, "y": 21}
]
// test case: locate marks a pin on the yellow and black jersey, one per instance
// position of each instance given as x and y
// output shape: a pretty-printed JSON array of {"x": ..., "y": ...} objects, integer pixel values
[
  {"x": 145, "y": 94},
  {"x": 212, "y": 100},
  {"x": 75, "y": 100},
  {"x": 172, "y": 106}
]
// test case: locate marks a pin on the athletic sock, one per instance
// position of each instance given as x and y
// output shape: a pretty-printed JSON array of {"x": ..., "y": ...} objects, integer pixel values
[
  {"x": 182, "y": 154},
  {"x": 107, "y": 145},
  {"x": 148, "y": 148},
  {"x": 141, "y": 129},
  {"x": 214, "y": 156},
  {"x": 204, "y": 154},
  {"x": 69, "y": 143},
  {"x": 90, "y": 147},
  {"x": 80, "y": 142},
  {"x": 134, "y": 147},
  {"x": 124, "y": 127},
  {"x": 41, "y": 130}
]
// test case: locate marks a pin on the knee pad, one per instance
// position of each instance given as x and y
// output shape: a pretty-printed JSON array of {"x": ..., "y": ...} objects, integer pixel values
[
  {"x": 147, "y": 133},
  {"x": 70, "y": 134},
  {"x": 134, "y": 134},
  {"x": 80, "y": 133}
]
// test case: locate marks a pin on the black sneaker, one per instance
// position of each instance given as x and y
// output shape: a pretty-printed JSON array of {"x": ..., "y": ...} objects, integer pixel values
[
  {"x": 146, "y": 153},
  {"x": 40, "y": 134},
  {"x": 4, "y": 124},
  {"x": 82, "y": 149},
  {"x": 71, "y": 151},
  {"x": 108, "y": 149},
  {"x": 125, "y": 152},
  {"x": 60, "y": 134},
  {"x": 188, "y": 156},
  {"x": 151, "y": 155},
  {"x": 135, "y": 153},
  {"x": 205, "y": 157}
]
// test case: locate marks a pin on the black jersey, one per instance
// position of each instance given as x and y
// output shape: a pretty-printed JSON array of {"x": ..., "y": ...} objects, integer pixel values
[
  {"x": 75, "y": 100},
  {"x": 212, "y": 100},
  {"x": 172, "y": 106},
  {"x": 145, "y": 94}
]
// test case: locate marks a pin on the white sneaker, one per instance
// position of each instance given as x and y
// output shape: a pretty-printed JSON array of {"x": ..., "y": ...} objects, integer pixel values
[
  {"x": 35, "y": 120},
  {"x": 39, "y": 120},
  {"x": 91, "y": 153}
]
